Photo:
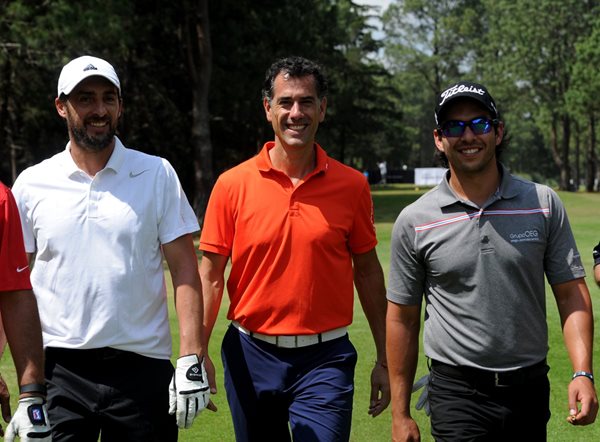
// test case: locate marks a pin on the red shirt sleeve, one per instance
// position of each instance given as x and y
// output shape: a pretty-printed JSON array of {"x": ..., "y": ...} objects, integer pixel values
[{"x": 14, "y": 266}]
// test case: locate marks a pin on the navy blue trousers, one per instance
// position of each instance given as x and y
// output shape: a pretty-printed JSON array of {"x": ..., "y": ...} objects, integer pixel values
[{"x": 272, "y": 391}]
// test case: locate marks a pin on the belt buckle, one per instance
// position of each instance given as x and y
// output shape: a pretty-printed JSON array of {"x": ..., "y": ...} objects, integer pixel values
[
  {"x": 497, "y": 380},
  {"x": 503, "y": 380},
  {"x": 286, "y": 341}
]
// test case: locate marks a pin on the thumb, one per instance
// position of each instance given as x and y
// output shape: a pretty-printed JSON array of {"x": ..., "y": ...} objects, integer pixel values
[
  {"x": 573, "y": 409},
  {"x": 10, "y": 433},
  {"x": 210, "y": 375},
  {"x": 172, "y": 396}
]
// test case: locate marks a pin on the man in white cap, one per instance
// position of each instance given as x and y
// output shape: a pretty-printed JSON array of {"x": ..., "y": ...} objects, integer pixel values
[{"x": 98, "y": 218}]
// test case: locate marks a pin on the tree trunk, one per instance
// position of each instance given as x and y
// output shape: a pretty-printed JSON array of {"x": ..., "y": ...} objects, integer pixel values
[
  {"x": 577, "y": 169},
  {"x": 565, "y": 172},
  {"x": 5, "y": 145},
  {"x": 199, "y": 58},
  {"x": 591, "y": 160},
  {"x": 556, "y": 155}
]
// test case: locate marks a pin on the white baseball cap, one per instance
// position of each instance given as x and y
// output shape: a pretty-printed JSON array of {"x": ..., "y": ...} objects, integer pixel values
[{"x": 77, "y": 70}]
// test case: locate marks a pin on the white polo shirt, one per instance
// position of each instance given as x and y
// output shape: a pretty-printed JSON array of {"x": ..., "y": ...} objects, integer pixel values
[{"x": 98, "y": 273}]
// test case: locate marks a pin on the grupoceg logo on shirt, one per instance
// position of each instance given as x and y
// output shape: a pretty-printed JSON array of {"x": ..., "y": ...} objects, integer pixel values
[{"x": 524, "y": 236}]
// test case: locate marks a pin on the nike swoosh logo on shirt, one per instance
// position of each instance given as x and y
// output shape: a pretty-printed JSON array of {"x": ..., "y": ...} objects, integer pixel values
[
  {"x": 133, "y": 175},
  {"x": 20, "y": 269}
]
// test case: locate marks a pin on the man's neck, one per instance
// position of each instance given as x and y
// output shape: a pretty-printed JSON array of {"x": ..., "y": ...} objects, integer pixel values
[
  {"x": 295, "y": 163},
  {"x": 476, "y": 187},
  {"x": 91, "y": 162}
]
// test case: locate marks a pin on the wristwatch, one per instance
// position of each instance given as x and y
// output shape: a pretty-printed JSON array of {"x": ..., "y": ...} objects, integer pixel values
[{"x": 585, "y": 374}]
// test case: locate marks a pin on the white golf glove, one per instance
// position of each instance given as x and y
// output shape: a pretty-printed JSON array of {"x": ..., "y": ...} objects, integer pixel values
[
  {"x": 30, "y": 422},
  {"x": 188, "y": 392},
  {"x": 422, "y": 402}
]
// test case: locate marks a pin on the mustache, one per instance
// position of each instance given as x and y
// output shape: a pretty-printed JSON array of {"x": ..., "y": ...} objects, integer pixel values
[{"x": 92, "y": 120}]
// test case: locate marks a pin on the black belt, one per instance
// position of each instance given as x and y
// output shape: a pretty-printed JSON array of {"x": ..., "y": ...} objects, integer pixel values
[
  {"x": 94, "y": 354},
  {"x": 492, "y": 378}
]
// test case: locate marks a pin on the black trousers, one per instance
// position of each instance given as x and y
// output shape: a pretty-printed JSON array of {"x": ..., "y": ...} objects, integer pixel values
[
  {"x": 107, "y": 393},
  {"x": 473, "y": 405}
]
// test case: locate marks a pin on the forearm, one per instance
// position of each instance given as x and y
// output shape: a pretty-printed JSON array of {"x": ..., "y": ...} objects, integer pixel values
[
  {"x": 403, "y": 325},
  {"x": 23, "y": 332},
  {"x": 189, "y": 309},
  {"x": 2, "y": 337},
  {"x": 212, "y": 275},
  {"x": 575, "y": 309},
  {"x": 183, "y": 265},
  {"x": 578, "y": 332},
  {"x": 371, "y": 293}
]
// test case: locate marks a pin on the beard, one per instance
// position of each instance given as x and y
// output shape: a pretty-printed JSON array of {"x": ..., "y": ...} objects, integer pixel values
[
  {"x": 86, "y": 141},
  {"x": 92, "y": 144}
]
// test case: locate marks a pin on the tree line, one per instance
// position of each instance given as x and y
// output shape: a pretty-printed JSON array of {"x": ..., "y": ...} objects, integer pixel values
[{"x": 192, "y": 72}]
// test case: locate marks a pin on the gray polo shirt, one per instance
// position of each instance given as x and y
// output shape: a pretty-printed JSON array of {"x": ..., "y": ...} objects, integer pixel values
[{"x": 482, "y": 270}]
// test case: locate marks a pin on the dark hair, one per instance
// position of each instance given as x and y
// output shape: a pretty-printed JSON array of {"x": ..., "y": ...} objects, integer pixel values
[
  {"x": 442, "y": 160},
  {"x": 295, "y": 67}
]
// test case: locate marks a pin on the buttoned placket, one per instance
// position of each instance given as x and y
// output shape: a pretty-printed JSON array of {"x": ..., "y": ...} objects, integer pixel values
[
  {"x": 94, "y": 195},
  {"x": 484, "y": 238}
]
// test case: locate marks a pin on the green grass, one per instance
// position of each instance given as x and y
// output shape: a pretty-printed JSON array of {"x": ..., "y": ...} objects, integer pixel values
[{"x": 584, "y": 215}]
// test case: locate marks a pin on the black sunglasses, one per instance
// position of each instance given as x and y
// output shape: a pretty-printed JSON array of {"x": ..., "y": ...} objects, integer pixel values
[{"x": 456, "y": 128}]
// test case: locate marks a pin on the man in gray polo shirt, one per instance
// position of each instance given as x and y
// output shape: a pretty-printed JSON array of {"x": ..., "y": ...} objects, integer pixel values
[{"x": 477, "y": 248}]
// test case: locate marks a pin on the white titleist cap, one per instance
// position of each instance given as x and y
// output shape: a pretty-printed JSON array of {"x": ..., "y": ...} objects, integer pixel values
[{"x": 77, "y": 70}]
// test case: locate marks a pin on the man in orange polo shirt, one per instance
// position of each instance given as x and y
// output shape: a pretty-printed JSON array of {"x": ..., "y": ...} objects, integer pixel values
[{"x": 298, "y": 227}]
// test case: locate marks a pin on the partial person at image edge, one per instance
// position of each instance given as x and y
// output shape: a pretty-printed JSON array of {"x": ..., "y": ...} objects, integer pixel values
[{"x": 20, "y": 326}]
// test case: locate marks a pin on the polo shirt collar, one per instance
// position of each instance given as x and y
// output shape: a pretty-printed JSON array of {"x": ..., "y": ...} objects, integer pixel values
[
  {"x": 508, "y": 188},
  {"x": 115, "y": 162},
  {"x": 263, "y": 161}
]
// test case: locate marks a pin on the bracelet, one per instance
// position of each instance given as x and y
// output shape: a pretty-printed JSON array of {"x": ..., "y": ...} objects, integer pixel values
[
  {"x": 33, "y": 388},
  {"x": 586, "y": 374}
]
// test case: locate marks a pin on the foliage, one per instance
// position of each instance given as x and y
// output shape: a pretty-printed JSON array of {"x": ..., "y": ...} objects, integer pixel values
[
  {"x": 537, "y": 58},
  {"x": 531, "y": 55},
  {"x": 359, "y": 121},
  {"x": 148, "y": 43}
]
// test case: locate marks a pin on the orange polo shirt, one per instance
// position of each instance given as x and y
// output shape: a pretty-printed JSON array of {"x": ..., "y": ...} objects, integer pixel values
[{"x": 291, "y": 248}]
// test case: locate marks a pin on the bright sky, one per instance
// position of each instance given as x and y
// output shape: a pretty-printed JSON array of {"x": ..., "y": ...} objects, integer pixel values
[{"x": 383, "y": 4}]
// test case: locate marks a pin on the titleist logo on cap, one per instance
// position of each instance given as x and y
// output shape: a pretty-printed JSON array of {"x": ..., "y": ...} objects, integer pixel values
[{"x": 458, "y": 89}]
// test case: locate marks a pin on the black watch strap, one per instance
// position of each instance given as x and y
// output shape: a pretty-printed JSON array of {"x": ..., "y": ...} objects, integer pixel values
[{"x": 33, "y": 388}]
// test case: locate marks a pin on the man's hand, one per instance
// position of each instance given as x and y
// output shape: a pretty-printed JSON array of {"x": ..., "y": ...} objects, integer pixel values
[
  {"x": 380, "y": 390},
  {"x": 188, "y": 392},
  {"x": 582, "y": 392},
  {"x": 4, "y": 403},
  {"x": 30, "y": 421},
  {"x": 596, "y": 254}
]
